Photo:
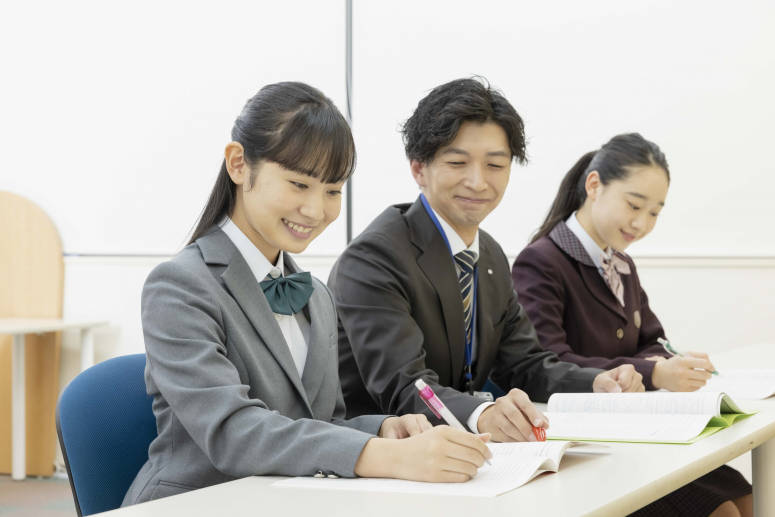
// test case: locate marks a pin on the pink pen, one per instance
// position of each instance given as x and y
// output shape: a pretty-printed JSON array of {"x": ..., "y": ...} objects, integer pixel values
[{"x": 438, "y": 408}]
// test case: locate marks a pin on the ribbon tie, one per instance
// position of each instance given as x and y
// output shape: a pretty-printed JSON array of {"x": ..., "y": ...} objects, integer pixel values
[
  {"x": 288, "y": 294},
  {"x": 613, "y": 267}
]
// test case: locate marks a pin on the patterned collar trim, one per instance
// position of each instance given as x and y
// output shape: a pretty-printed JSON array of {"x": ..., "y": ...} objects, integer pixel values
[{"x": 570, "y": 244}]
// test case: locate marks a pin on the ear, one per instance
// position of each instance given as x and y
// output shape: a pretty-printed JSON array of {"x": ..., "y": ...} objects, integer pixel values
[
  {"x": 418, "y": 172},
  {"x": 593, "y": 185},
  {"x": 236, "y": 165}
]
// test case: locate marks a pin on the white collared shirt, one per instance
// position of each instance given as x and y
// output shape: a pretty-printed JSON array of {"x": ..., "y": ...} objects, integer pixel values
[
  {"x": 295, "y": 328},
  {"x": 457, "y": 244},
  {"x": 590, "y": 246}
]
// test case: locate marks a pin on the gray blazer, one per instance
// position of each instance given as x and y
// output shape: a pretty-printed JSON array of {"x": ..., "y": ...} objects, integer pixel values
[{"x": 227, "y": 397}]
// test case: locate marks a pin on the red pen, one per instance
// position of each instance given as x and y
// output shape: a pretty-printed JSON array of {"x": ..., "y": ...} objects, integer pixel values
[{"x": 539, "y": 433}]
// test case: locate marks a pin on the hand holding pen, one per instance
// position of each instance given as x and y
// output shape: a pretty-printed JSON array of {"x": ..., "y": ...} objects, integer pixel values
[
  {"x": 437, "y": 407},
  {"x": 682, "y": 372},
  {"x": 439, "y": 454},
  {"x": 514, "y": 418}
]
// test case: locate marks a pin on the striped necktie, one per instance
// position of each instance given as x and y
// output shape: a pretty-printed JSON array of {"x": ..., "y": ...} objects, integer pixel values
[{"x": 466, "y": 260}]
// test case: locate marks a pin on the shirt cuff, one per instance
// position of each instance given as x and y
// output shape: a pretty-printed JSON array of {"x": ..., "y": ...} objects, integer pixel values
[{"x": 473, "y": 419}]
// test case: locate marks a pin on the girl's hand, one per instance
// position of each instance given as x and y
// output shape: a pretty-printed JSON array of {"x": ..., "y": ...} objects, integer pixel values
[
  {"x": 441, "y": 454},
  {"x": 682, "y": 373},
  {"x": 656, "y": 358},
  {"x": 404, "y": 426}
]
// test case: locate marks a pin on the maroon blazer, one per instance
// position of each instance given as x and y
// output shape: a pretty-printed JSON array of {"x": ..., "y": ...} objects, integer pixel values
[{"x": 575, "y": 313}]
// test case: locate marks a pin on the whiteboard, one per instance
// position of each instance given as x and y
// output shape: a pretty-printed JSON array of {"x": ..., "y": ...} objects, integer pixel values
[
  {"x": 696, "y": 77},
  {"x": 115, "y": 114}
]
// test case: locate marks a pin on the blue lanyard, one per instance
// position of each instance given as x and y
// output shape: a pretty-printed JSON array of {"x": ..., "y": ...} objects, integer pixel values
[{"x": 469, "y": 340}]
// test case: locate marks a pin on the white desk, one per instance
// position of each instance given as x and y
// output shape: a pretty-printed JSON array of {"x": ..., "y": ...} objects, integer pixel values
[
  {"x": 19, "y": 327},
  {"x": 632, "y": 476}
]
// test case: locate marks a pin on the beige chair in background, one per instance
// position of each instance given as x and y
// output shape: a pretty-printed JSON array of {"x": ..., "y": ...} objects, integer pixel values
[{"x": 31, "y": 286}]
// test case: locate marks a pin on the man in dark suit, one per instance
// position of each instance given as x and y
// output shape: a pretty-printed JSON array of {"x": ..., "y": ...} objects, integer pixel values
[{"x": 423, "y": 293}]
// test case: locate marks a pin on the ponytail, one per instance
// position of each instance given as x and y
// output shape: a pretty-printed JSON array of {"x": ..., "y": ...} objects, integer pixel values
[
  {"x": 570, "y": 196},
  {"x": 614, "y": 161},
  {"x": 219, "y": 204}
]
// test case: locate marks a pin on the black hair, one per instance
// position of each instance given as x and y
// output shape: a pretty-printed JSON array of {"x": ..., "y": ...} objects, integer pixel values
[
  {"x": 613, "y": 161},
  {"x": 438, "y": 116},
  {"x": 294, "y": 125}
]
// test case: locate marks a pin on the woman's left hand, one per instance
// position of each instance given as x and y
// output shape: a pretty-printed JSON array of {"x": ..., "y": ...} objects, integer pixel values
[{"x": 404, "y": 426}]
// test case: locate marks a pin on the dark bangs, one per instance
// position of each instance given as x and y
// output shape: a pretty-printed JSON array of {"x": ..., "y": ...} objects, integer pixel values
[
  {"x": 315, "y": 141},
  {"x": 290, "y": 123}
]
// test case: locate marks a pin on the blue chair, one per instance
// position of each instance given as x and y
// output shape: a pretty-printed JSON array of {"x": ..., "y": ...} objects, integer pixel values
[{"x": 105, "y": 424}]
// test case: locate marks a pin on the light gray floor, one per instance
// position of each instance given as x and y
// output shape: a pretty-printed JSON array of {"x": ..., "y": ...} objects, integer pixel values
[{"x": 36, "y": 497}]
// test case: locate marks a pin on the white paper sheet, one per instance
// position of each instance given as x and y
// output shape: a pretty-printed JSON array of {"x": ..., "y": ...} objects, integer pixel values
[
  {"x": 743, "y": 384},
  {"x": 513, "y": 465}
]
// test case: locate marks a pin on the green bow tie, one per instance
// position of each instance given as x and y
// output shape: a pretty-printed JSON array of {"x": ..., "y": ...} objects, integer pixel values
[{"x": 290, "y": 294}]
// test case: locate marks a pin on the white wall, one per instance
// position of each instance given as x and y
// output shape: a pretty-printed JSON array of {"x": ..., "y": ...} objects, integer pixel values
[{"x": 116, "y": 114}]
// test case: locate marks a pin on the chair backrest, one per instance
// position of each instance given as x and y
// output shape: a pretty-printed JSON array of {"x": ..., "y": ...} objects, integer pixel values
[{"x": 105, "y": 423}]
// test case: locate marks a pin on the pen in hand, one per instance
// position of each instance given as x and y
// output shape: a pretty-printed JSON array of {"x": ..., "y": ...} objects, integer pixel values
[
  {"x": 672, "y": 351},
  {"x": 438, "y": 408}
]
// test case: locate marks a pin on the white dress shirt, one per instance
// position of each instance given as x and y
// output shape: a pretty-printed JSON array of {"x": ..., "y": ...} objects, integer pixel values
[
  {"x": 295, "y": 328},
  {"x": 457, "y": 245}
]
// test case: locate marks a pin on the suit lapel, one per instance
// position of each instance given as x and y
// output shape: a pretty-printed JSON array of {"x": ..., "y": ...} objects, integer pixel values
[
  {"x": 567, "y": 241},
  {"x": 438, "y": 266},
  {"x": 485, "y": 295},
  {"x": 322, "y": 320},
  {"x": 242, "y": 285}
]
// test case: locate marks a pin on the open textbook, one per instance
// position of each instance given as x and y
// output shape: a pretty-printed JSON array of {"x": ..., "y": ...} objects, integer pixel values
[
  {"x": 743, "y": 384},
  {"x": 655, "y": 417},
  {"x": 513, "y": 465}
]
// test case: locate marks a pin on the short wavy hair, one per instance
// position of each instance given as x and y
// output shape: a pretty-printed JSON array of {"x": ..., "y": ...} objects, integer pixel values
[{"x": 438, "y": 116}]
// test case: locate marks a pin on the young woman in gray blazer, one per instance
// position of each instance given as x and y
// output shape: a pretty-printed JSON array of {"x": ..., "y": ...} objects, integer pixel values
[
  {"x": 584, "y": 297},
  {"x": 242, "y": 346}
]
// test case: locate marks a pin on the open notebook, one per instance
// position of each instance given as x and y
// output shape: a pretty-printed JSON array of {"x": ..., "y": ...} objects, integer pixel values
[
  {"x": 743, "y": 384},
  {"x": 655, "y": 417},
  {"x": 513, "y": 465}
]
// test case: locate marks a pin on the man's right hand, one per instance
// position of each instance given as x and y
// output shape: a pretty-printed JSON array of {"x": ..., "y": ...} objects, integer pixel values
[{"x": 511, "y": 418}]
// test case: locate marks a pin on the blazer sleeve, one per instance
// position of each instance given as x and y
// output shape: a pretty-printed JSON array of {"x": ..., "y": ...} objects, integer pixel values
[
  {"x": 188, "y": 363},
  {"x": 521, "y": 361},
  {"x": 373, "y": 301},
  {"x": 542, "y": 292}
]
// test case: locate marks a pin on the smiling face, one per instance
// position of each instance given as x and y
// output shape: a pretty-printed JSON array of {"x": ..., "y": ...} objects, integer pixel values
[
  {"x": 466, "y": 179},
  {"x": 623, "y": 211},
  {"x": 282, "y": 209}
]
